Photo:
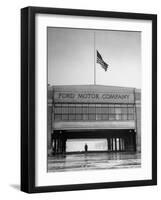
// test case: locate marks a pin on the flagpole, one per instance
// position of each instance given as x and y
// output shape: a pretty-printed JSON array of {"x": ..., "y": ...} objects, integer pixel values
[{"x": 94, "y": 61}]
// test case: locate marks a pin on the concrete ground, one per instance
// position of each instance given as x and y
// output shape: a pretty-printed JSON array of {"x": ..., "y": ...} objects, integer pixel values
[{"x": 93, "y": 161}]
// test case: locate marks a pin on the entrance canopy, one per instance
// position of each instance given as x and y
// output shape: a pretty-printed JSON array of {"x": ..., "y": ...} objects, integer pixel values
[{"x": 62, "y": 125}]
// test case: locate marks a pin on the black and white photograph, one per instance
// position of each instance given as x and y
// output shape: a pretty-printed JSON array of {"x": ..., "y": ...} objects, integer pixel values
[
  {"x": 93, "y": 99},
  {"x": 89, "y": 99}
]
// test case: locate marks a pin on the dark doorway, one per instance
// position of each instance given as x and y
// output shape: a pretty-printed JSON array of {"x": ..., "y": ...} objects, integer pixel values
[{"x": 117, "y": 140}]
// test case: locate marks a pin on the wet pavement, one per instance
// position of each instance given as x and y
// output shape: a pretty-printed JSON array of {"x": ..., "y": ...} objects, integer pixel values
[{"x": 93, "y": 161}]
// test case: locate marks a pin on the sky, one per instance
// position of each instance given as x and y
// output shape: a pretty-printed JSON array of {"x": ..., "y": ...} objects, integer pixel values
[{"x": 72, "y": 57}]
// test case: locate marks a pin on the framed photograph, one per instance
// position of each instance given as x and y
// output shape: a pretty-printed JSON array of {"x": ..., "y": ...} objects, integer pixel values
[{"x": 88, "y": 99}]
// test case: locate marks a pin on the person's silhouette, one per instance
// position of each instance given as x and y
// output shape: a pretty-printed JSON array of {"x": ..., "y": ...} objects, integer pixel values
[{"x": 86, "y": 147}]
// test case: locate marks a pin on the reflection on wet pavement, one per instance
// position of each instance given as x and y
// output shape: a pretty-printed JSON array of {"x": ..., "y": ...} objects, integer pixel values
[{"x": 93, "y": 161}]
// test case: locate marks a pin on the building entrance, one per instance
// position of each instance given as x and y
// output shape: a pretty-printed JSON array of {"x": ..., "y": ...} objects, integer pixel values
[
  {"x": 95, "y": 140},
  {"x": 86, "y": 145}
]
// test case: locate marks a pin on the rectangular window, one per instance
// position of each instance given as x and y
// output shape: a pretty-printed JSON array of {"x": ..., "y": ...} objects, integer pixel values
[
  {"x": 124, "y": 117},
  {"x": 130, "y": 117},
  {"x": 92, "y": 110},
  {"x": 124, "y": 110},
  {"x": 98, "y": 117},
  {"x": 85, "y": 109},
  {"x": 71, "y": 109},
  {"x": 85, "y": 116},
  {"x": 105, "y": 110},
  {"x": 64, "y": 117},
  {"x": 111, "y": 116},
  {"x": 78, "y": 117},
  {"x": 57, "y": 117},
  {"x": 92, "y": 117},
  {"x": 71, "y": 117},
  {"x": 78, "y": 108},
  {"x": 57, "y": 108},
  {"x": 64, "y": 110},
  {"x": 118, "y": 117},
  {"x": 98, "y": 109},
  {"x": 118, "y": 113},
  {"x": 105, "y": 117},
  {"x": 131, "y": 110},
  {"x": 111, "y": 110}
]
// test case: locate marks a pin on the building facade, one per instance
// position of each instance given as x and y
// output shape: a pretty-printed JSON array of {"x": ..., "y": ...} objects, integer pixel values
[{"x": 93, "y": 118}]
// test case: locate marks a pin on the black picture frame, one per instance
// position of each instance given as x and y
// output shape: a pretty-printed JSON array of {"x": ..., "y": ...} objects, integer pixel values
[{"x": 28, "y": 170}]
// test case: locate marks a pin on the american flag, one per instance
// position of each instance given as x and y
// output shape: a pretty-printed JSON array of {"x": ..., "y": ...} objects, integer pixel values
[{"x": 100, "y": 60}]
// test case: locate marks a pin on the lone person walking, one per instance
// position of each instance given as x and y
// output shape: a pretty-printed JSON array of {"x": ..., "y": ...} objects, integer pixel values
[{"x": 86, "y": 147}]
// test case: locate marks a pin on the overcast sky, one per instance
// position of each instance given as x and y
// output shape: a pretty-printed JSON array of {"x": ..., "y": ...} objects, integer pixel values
[{"x": 71, "y": 57}]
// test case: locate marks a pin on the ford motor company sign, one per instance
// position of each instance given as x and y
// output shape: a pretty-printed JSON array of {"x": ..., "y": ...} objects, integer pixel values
[{"x": 93, "y": 97}]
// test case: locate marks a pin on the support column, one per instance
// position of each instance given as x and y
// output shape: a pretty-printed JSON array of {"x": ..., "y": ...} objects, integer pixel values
[
  {"x": 109, "y": 144},
  {"x": 115, "y": 144},
  {"x": 64, "y": 145},
  {"x": 111, "y": 141},
  {"x": 134, "y": 140},
  {"x": 120, "y": 144}
]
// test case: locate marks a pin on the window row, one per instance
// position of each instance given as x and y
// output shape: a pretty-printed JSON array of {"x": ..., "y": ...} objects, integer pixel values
[
  {"x": 93, "y": 117},
  {"x": 92, "y": 109}
]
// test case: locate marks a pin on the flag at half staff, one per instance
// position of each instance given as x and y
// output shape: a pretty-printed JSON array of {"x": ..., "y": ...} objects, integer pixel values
[{"x": 100, "y": 60}]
